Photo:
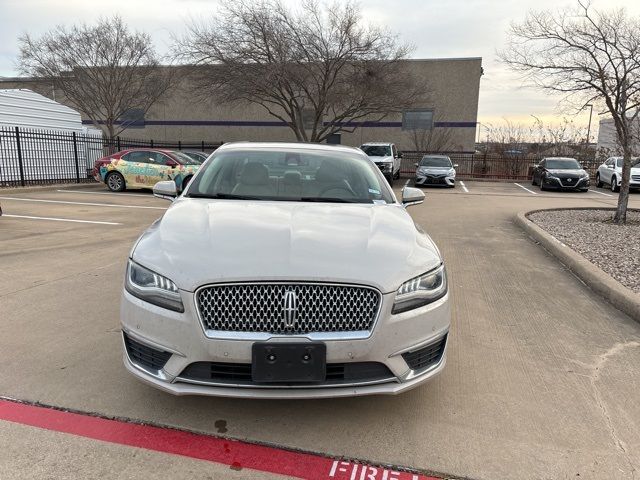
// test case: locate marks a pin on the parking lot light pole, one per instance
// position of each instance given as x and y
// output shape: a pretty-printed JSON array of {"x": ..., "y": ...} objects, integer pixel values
[{"x": 589, "y": 127}]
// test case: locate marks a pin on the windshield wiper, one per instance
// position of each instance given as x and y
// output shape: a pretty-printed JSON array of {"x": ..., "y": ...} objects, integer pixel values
[
  {"x": 225, "y": 196},
  {"x": 334, "y": 200}
]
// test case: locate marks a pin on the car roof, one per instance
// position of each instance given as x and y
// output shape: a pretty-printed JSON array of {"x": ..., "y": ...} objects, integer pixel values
[
  {"x": 384, "y": 144},
  {"x": 137, "y": 149},
  {"x": 293, "y": 145},
  {"x": 434, "y": 155},
  {"x": 559, "y": 158}
]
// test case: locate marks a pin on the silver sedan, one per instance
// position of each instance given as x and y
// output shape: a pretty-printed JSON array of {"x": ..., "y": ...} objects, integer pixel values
[{"x": 285, "y": 271}]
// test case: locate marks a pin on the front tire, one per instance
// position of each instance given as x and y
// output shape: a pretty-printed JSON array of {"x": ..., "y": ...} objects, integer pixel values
[
  {"x": 115, "y": 182},
  {"x": 185, "y": 182},
  {"x": 533, "y": 180},
  {"x": 599, "y": 183},
  {"x": 542, "y": 183},
  {"x": 614, "y": 185}
]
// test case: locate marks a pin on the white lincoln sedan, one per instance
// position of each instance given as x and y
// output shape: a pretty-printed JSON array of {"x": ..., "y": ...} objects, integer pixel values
[{"x": 285, "y": 271}]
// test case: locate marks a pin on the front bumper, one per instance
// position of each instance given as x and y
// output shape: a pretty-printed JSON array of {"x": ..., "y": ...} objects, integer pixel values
[
  {"x": 427, "y": 179},
  {"x": 182, "y": 336},
  {"x": 566, "y": 183}
]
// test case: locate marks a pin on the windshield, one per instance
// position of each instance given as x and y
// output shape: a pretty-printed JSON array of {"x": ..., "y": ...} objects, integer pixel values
[
  {"x": 185, "y": 159},
  {"x": 435, "y": 162},
  {"x": 290, "y": 175},
  {"x": 563, "y": 164},
  {"x": 376, "y": 150}
]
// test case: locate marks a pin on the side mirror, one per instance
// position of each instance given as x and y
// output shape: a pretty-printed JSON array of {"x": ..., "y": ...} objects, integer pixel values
[
  {"x": 415, "y": 164},
  {"x": 166, "y": 190},
  {"x": 455, "y": 165},
  {"x": 412, "y": 196},
  {"x": 399, "y": 154}
]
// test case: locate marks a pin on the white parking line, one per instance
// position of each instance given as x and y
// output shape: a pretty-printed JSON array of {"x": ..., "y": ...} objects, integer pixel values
[
  {"x": 525, "y": 188},
  {"x": 80, "y": 203},
  {"x": 105, "y": 193},
  {"x": 61, "y": 219},
  {"x": 464, "y": 186},
  {"x": 601, "y": 193}
]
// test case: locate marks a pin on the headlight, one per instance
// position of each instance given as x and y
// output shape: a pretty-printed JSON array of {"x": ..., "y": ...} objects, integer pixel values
[
  {"x": 421, "y": 290},
  {"x": 584, "y": 175},
  {"x": 452, "y": 172},
  {"x": 153, "y": 288}
]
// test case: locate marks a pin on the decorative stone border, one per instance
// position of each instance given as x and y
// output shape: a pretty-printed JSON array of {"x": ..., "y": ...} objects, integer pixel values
[{"x": 618, "y": 295}]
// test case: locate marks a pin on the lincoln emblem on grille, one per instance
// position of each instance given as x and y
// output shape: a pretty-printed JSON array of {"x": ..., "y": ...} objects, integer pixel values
[{"x": 290, "y": 308}]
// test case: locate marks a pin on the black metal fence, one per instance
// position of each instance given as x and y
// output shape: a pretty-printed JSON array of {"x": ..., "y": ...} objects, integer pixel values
[
  {"x": 35, "y": 157},
  {"x": 489, "y": 166}
]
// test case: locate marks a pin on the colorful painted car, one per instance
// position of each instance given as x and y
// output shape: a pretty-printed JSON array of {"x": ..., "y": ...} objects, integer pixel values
[{"x": 143, "y": 168}]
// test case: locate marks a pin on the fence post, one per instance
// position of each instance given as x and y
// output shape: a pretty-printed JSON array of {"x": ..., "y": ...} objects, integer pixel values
[
  {"x": 179, "y": 144},
  {"x": 19, "y": 147},
  {"x": 118, "y": 142},
  {"x": 75, "y": 156},
  {"x": 151, "y": 143},
  {"x": 203, "y": 145}
]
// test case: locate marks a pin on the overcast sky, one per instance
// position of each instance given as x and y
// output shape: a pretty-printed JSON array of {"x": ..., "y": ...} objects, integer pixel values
[{"x": 436, "y": 28}]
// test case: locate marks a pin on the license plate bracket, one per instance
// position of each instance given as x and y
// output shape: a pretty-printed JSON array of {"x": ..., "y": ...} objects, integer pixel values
[{"x": 288, "y": 362}]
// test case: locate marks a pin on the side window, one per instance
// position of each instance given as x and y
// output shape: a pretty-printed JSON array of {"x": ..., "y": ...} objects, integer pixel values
[
  {"x": 542, "y": 163},
  {"x": 138, "y": 156},
  {"x": 159, "y": 158},
  {"x": 620, "y": 161},
  {"x": 609, "y": 162}
]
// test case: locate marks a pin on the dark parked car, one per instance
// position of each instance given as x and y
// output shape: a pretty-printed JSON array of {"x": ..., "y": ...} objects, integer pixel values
[
  {"x": 196, "y": 155},
  {"x": 560, "y": 173}
]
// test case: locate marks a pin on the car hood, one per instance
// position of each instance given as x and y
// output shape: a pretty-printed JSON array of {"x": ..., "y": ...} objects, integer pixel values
[
  {"x": 434, "y": 169},
  {"x": 386, "y": 159},
  {"x": 569, "y": 171},
  {"x": 200, "y": 241}
]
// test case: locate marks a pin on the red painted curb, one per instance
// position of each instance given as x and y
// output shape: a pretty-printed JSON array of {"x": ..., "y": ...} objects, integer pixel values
[{"x": 236, "y": 454}]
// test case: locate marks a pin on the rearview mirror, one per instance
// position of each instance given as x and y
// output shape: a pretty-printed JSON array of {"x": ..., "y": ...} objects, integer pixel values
[
  {"x": 166, "y": 190},
  {"x": 412, "y": 196}
]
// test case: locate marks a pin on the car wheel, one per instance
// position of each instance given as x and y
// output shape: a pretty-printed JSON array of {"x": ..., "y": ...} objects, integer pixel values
[
  {"x": 599, "y": 183},
  {"x": 533, "y": 180},
  {"x": 115, "y": 182},
  {"x": 542, "y": 183},
  {"x": 390, "y": 179},
  {"x": 614, "y": 185}
]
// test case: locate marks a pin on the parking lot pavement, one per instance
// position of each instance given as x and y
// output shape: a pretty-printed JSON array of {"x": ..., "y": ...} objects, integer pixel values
[{"x": 541, "y": 379}]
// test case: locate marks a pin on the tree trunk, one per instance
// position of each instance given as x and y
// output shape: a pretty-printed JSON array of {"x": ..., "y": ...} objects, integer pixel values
[{"x": 620, "y": 217}]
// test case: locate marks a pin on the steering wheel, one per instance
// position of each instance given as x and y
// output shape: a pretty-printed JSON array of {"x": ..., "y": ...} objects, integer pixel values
[{"x": 336, "y": 187}]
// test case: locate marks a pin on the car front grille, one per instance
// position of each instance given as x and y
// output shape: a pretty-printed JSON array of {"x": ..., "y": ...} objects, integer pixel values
[
  {"x": 635, "y": 178},
  {"x": 569, "y": 181},
  {"x": 288, "y": 308},
  {"x": 144, "y": 355},
  {"x": 426, "y": 357},
  {"x": 240, "y": 373}
]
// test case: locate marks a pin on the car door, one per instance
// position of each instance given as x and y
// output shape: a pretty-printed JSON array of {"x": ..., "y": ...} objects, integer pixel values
[
  {"x": 164, "y": 168},
  {"x": 607, "y": 171},
  {"x": 135, "y": 167}
]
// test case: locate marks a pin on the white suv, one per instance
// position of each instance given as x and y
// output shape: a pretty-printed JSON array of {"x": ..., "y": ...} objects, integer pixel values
[
  {"x": 386, "y": 157},
  {"x": 610, "y": 172}
]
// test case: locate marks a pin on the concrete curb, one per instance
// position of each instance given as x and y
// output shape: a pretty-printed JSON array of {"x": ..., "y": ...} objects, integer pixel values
[
  {"x": 614, "y": 292},
  {"x": 44, "y": 188}
]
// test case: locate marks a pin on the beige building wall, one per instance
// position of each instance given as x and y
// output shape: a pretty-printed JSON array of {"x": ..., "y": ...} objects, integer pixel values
[{"x": 453, "y": 95}]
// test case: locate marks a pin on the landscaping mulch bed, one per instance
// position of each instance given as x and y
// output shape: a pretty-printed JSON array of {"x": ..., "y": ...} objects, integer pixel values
[{"x": 613, "y": 248}]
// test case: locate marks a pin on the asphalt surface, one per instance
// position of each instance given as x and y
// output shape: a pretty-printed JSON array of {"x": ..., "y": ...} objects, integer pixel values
[{"x": 541, "y": 382}]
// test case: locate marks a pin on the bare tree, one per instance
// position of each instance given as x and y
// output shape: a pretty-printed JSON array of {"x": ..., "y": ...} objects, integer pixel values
[
  {"x": 316, "y": 68},
  {"x": 431, "y": 140},
  {"x": 104, "y": 70},
  {"x": 589, "y": 57}
]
